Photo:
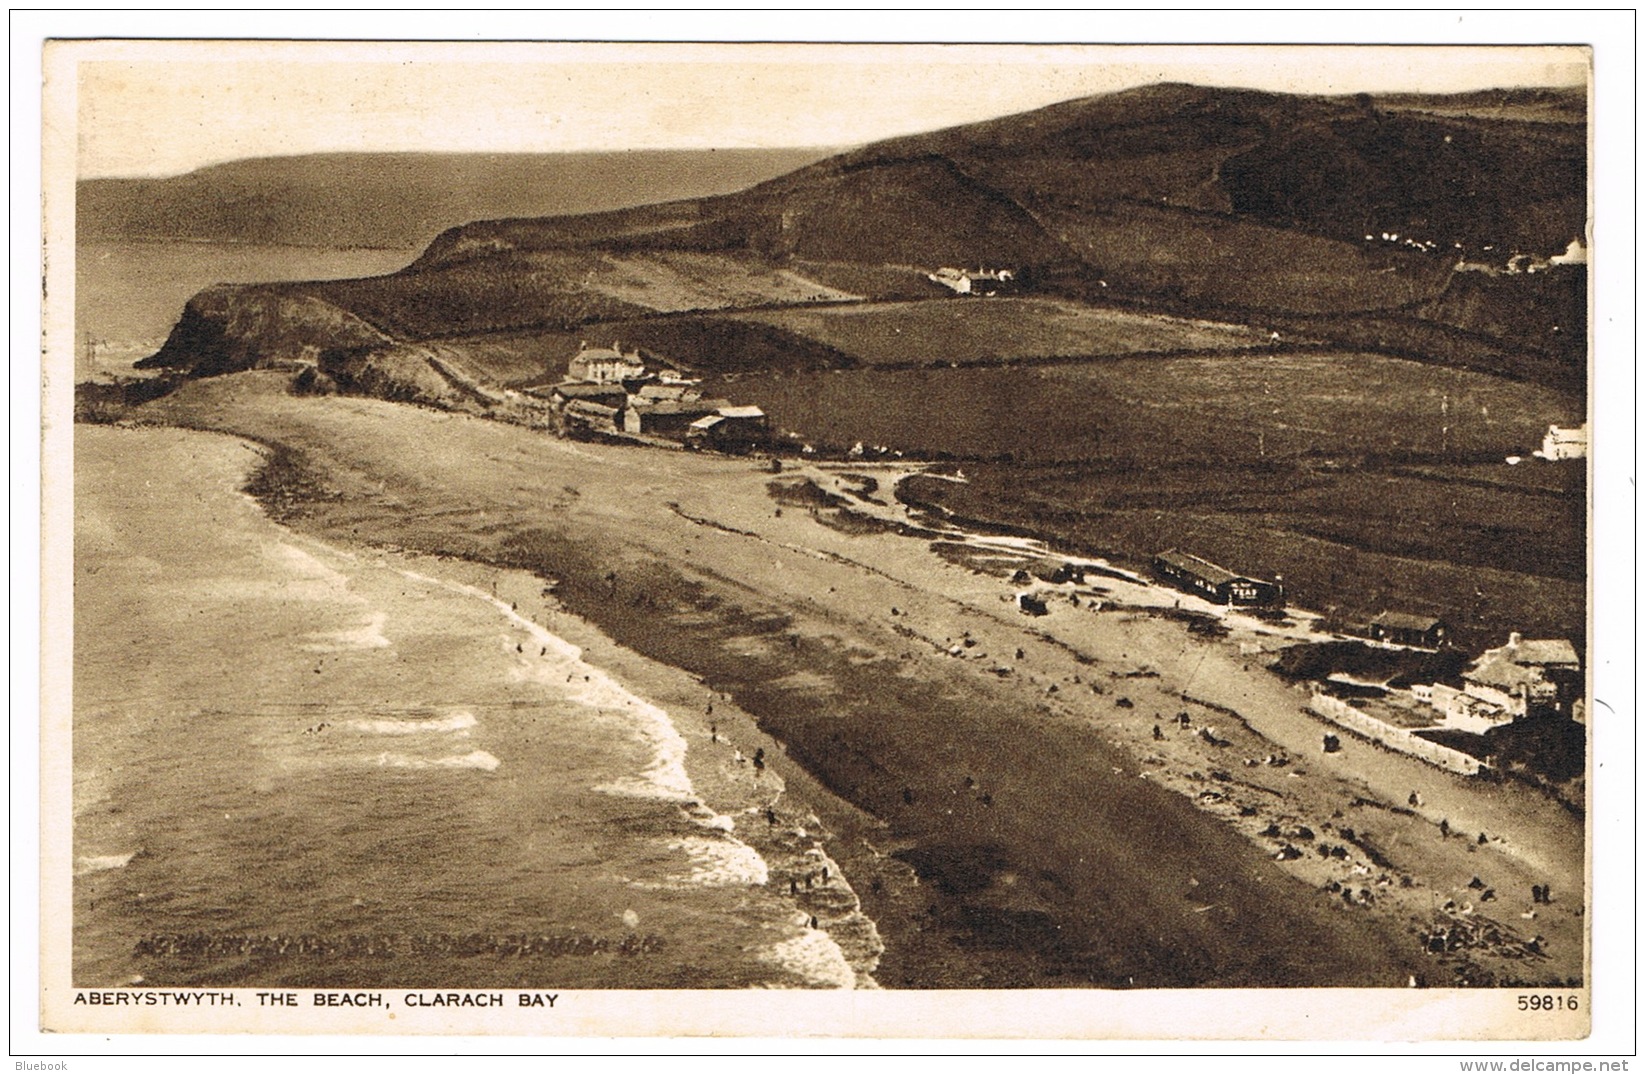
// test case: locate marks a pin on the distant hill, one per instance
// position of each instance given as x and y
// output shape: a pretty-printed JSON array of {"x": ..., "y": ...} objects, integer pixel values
[
  {"x": 1340, "y": 218},
  {"x": 403, "y": 200}
]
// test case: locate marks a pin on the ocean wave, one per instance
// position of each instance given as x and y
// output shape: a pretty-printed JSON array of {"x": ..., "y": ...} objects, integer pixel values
[
  {"x": 719, "y": 862},
  {"x": 455, "y": 723},
  {"x": 664, "y": 776},
  {"x": 475, "y": 759},
  {"x": 97, "y": 863},
  {"x": 815, "y": 957}
]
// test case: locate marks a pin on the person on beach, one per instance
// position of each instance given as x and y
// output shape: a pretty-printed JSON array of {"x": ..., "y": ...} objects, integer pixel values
[{"x": 759, "y": 758}]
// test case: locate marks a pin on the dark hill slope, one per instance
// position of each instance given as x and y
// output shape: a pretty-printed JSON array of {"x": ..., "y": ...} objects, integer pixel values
[
  {"x": 1236, "y": 200},
  {"x": 1229, "y": 204},
  {"x": 1340, "y": 167}
]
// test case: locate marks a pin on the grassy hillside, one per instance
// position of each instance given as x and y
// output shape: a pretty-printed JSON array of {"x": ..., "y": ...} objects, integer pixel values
[
  {"x": 1159, "y": 236},
  {"x": 1221, "y": 204}
]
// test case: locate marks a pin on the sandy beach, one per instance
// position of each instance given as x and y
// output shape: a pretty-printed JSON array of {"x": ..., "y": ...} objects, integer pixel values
[
  {"x": 298, "y": 763},
  {"x": 1092, "y": 797}
]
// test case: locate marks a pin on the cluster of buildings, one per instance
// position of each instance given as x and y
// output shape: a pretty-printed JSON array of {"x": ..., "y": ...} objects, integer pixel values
[
  {"x": 1575, "y": 253},
  {"x": 612, "y": 391},
  {"x": 1527, "y": 677}
]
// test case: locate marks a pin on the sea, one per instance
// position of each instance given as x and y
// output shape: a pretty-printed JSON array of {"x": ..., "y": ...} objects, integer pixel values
[{"x": 296, "y": 764}]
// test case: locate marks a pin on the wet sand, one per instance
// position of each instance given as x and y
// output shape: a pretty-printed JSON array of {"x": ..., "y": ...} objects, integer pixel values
[
  {"x": 1007, "y": 820},
  {"x": 298, "y": 764}
]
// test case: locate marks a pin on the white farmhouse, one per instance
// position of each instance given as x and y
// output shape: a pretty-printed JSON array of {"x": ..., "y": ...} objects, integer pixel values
[{"x": 1564, "y": 443}]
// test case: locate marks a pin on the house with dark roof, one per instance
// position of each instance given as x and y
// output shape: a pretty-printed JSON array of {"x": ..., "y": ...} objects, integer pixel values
[
  {"x": 592, "y": 415},
  {"x": 1213, "y": 582},
  {"x": 730, "y": 427},
  {"x": 1404, "y": 629},
  {"x": 610, "y": 395},
  {"x": 669, "y": 417}
]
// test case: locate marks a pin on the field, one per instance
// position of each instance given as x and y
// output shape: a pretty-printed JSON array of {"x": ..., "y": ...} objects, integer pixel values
[
  {"x": 1155, "y": 411},
  {"x": 1494, "y": 566},
  {"x": 514, "y": 290},
  {"x": 1367, "y": 483},
  {"x": 968, "y": 331}
]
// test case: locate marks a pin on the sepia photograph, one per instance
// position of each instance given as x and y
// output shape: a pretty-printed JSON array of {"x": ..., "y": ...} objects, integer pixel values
[{"x": 620, "y": 537}]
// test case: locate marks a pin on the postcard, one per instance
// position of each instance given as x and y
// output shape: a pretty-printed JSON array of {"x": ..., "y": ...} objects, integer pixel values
[{"x": 658, "y": 539}]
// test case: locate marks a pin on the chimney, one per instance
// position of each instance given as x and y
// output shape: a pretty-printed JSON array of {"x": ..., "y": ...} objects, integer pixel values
[{"x": 1514, "y": 639}]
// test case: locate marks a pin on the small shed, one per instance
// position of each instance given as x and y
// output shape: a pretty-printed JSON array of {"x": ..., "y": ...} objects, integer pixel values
[
  {"x": 1404, "y": 629},
  {"x": 731, "y": 426},
  {"x": 592, "y": 415},
  {"x": 609, "y": 395},
  {"x": 669, "y": 418},
  {"x": 1213, "y": 582}
]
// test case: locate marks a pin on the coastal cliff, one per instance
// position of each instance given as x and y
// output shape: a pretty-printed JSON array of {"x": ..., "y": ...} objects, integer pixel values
[{"x": 229, "y": 328}]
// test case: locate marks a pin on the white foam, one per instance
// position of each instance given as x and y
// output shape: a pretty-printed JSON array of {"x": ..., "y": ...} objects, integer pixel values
[
  {"x": 96, "y": 863},
  {"x": 721, "y": 861},
  {"x": 664, "y": 777},
  {"x": 476, "y": 759},
  {"x": 814, "y": 956},
  {"x": 368, "y": 636},
  {"x": 455, "y": 723}
]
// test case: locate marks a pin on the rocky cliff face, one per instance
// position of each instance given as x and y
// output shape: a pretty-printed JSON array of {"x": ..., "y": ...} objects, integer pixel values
[{"x": 230, "y": 328}]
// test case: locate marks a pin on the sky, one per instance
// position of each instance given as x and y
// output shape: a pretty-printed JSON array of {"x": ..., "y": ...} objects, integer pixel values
[{"x": 164, "y": 108}]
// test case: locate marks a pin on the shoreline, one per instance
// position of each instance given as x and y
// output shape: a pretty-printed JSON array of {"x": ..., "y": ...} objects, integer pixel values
[
  {"x": 721, "y": 742},
  {"x": 946, "y": 888},
  {"x": 751, "y": 830}
]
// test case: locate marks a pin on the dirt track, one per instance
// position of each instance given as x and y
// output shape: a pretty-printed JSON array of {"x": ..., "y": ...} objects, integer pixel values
[{"x": 1056, "y": 840}]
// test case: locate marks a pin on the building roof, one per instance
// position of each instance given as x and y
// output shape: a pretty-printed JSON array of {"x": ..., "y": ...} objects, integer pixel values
[
  {"x": 589, "y": 407},
  {"x": 1493, "y": 670},
  {"x": 708, "y": 422},
  {"x": 1539, "y": 651},
  {"x": 607, "y": 354},
  {"x": 741, "y": 412},
  {"x": 658, "y": 392},
  {"x": 1522, "y": 662},
  {"x": 1404, "y": 621},
  {"x": 588, "y": 390},
  {"x": 678, "y": 406},
  {"x": 1202, "y": 568}
]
